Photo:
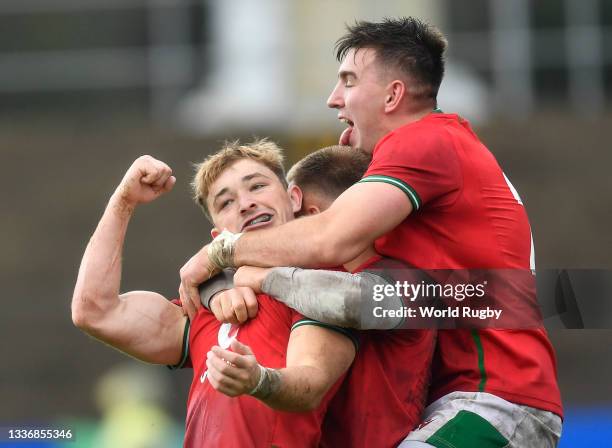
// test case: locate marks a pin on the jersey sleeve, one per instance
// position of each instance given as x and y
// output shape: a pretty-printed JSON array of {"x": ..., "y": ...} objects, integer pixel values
[
  {"x": 424, "y": 166},
  {"x": 297, "y": 320},
  {"x": 185, "y": 361}
]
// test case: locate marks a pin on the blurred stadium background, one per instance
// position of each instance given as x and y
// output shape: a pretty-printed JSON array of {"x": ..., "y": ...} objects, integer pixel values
[{"x": 87, "y": 86}]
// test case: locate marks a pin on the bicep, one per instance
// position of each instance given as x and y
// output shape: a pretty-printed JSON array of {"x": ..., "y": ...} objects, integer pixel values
[
  {"x": 329, "y": 351},
  {"x": 144, "y": 325}
]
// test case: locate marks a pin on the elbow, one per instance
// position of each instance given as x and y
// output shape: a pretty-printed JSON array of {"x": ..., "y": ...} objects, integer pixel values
[
  {"x": 313, "y": 397},
  {"x": 335, "y": 245},
  {"x": 83, "y": 312},
  {"x": 80, "y": 317},
  {"x": 334, "y": 250},
  {"x": 329, "y": 256},
  {"x": 308, "y": 403},
  {"x": 329, "y": 249},
  {"x": 77, "y": 319}
]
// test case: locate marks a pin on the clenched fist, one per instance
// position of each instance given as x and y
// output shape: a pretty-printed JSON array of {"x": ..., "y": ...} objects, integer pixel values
[{"x": 146, "y": 180}]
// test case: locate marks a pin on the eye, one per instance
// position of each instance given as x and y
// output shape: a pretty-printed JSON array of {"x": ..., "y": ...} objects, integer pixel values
[
  {"x": 259, "y": 186},
  {"x": 225, "y": 203},
  {"x": 349, "y": 81}
]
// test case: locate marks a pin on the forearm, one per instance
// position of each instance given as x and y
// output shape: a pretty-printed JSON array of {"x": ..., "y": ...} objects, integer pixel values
[
  {"x": 309, "y": 242},
  {"x": 99, "y": 278},
  {"x": 337, "y": 298},
  {"x": 316, "y": 358},
  {"x": 292, "y": 389}
]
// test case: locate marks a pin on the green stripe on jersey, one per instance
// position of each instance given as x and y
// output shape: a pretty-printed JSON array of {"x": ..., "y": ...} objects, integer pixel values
[
  {"x": 481, "y": 364},
  {"x": 345, "y": 331},
  {"x": 185, "y": 349},
  {"x": 410, "y": 192}
]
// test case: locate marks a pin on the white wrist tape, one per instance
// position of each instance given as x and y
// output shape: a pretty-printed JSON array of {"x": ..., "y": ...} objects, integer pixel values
[
  {"x": 221, "y": 250},
  {"x": 262, "y": 376}
]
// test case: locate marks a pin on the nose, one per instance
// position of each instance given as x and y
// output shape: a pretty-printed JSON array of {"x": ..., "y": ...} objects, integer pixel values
[
  {"x": 246, "y": 203},
  {"x": 335, "y": 100}
]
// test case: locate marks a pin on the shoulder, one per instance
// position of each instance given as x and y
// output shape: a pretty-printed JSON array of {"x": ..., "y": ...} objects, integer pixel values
[
  {"x": 402, "y": 148},
  {"x": 425, "y": 134}
]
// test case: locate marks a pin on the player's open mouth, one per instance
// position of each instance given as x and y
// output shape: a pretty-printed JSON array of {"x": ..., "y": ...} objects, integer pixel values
[
  {"x": 345, "y": 137},
  {"x": 258, "y": 221}
]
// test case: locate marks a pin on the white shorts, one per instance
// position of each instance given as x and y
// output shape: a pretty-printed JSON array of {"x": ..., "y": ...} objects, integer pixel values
[{"x": 479, "y": 419}]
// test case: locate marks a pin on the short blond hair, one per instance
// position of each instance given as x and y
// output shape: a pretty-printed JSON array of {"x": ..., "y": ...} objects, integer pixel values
[{"x": 208, "y": 171}]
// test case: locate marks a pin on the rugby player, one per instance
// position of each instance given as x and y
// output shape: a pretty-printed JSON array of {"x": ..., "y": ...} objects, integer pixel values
[
  {"x": 242, "y": 188},
  {"x": 396, "y": 392},
  {"x": 435, "y": 197}
]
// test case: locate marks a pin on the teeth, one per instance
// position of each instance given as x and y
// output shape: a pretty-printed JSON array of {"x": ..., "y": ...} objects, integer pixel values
[
  {"x": 262, "y": 218},
  {"x": 347, "y": 121}
]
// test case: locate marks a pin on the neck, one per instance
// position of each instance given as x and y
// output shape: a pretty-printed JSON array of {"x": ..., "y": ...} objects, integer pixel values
[
  {"x": 408, "y": 117},
  {"x": 361, "y": 258}
]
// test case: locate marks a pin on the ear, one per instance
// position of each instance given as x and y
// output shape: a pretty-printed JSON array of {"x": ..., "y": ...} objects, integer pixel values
[
  {"x": 214, "y": 232},
  {"x": 312, "y": 210},
  {"x": 396, "y": 91},
  {"x": 296, "y": 196}
]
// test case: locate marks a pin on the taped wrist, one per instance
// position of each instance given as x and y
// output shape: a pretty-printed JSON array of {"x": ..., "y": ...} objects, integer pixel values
[
  {"x": 221, "y": 250},
  {"x": 220, "y": 282},
  {"x": 268, "y": 384}
]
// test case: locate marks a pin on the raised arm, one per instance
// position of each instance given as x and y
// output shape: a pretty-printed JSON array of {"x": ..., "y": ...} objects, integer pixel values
[
  {"x": 360, "y": 215},
  {"x": 316, "y": 358},
  {"x": 142, "y": 324}
]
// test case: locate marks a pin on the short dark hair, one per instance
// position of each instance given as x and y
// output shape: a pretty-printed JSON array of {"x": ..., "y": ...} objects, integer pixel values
[
  {"x": 330, "y": 170},
  {"x": 408, "y": 44}
]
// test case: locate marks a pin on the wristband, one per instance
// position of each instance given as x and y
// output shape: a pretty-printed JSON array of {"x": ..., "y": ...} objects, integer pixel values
[
  {"x": 219, "y": 283},
  {"x": 221, "y": 250}
]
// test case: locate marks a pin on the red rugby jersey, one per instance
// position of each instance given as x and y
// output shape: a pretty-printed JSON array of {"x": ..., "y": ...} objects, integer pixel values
[
  {"x": 466, "y": 215},
  {"x": 214, "y": 419},
  {"x": 383, "y": 396}
]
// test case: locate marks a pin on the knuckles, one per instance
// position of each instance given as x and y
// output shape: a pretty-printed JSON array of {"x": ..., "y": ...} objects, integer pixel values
[
  {"x": 224, "y": 369},
  {"x": 244, "y": 377},
  {"x": 145, "y": 158}
]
